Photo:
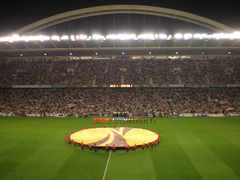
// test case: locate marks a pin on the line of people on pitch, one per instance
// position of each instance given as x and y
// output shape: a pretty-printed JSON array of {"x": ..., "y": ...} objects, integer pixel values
[
  {"x": 139, "y": 119},
  {"x": 152, "y": 144}
]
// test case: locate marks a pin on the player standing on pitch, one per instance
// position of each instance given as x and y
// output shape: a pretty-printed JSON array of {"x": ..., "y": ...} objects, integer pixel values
[
  {"x": 95, "y": 146},
  {"x": 127, "y": 147},
  {"x": 113, "y": 147},
  {"x": 82, "y": 144},
  {"x": 106, "y": 148}
]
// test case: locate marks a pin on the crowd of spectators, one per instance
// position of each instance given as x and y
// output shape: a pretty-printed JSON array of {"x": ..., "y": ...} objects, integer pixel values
[
  {"x": 101, "y": 72},
  {"x": 92, "y": 101}
]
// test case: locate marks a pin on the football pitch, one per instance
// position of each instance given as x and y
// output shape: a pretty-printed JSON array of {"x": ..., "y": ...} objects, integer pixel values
[{"x": 190, "y": 148}]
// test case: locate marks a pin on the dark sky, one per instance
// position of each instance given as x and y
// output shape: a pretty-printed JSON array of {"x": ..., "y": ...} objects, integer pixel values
[{"x": 16, "y": 14}]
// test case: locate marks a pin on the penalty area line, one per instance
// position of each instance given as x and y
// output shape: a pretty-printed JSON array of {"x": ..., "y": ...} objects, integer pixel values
[{"x": 107, "y": 165}]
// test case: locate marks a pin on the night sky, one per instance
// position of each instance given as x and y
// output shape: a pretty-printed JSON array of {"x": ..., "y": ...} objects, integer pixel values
[{"x": 16, "y": 14}]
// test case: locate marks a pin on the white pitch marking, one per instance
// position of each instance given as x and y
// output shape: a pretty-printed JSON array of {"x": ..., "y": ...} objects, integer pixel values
[
  {"x": 108, "y": 161},
  {"x": 107, "y": 165}
]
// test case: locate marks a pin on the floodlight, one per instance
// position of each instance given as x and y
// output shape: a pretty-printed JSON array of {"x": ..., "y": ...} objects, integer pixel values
[
  {"x": 89, "y": 38},
  {"x": 202, "y": 52},
  {"x": 55, "y": 38},
  {"x": 111, "y": 36},
  {"x": 178, "y": 36},
  {"x": 162, "y": 36},
  {"x": 188, "y": 36},
  {"x": 97, "y": 37},
  {"x": 150, "y": 53},
  {"x": 123, "y": 53},
  {"x": 229, "y": 52},
  {"x": 126, "y": 36},
  {"x": 70, "y": 54},
  {"x": 200, "y": 36},
  {"x": 21, "y": 54},
  {"x": 72, "y": 37},
  {"x": 145, "y": 36},
  {"x": 64, "y": 37},
  {"x": 236, "y": 35},
  {"x": 45, "y": 54},
  {"x": 169, "y": 37},
  {"x": 83, "y": 37},
  {"x": 176, "y": 52},
  {"x": 96, "y": 53}
]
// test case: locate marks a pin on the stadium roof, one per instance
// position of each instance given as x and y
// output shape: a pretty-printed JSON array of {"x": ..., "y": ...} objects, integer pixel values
[{"x": 140, "y": 46}]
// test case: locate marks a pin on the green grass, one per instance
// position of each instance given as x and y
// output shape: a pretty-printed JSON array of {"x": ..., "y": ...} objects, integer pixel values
[{"x": 190, "y": 148}]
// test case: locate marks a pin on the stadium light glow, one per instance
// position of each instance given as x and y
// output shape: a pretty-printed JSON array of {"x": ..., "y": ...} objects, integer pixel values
[
  {"x": 176, "y": 52},
  {"x": 98, "y": 37},
  {"x": 162, "y": 36},
  {"x": 81, "y": 37},
  {"x": 70, "y": 54},
  {"x": 178, "y": 36},
  {"x": 150, "y": 53},
  {"x": 200, "y": 36},
  {"x": 89, "y": 38},
  {"x": 96, "y": 53},
  {"x": 121, "y": 36},
  {"x": 65, "y": 37},
  {"x": 21, "y": 54},
  {"x": 187, "y": 36},
  {"x": 202, "y": 52},
  {"x": 145, "y": 36},
  {"x": 72, "y": 37},
  {"x": 55, "y": 38},
  {"x": 229, "y": 52},
  {"x": 169, "y": 37},
  {"x": 45, "y": 54},
  {"x": 123, "y": 53}
]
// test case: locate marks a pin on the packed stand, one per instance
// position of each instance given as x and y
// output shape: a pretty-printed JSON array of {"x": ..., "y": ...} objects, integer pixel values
[
  {"x": 97, "y": 101},
  {"x": 102, "y": 72},
  {"x": 188, "y": 72}
]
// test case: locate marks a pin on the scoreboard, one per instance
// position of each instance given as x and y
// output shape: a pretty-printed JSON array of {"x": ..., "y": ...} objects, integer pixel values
[{"x": 121, "y": 85}]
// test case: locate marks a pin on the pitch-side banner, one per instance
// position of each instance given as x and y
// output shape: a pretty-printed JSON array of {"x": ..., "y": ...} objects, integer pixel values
[
  {"x": 176, "y": 85},
  {"x": 31, "y": 86}
]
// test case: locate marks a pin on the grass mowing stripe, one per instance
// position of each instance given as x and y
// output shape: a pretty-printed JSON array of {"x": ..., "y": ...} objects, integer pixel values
[
  {"x": 82, "y": 165},
  {"x": 131, "y": 166},
  {"x": 44, "y": 162},
  {"x": 107, "y": 165},
  {"x": 207, "y": 163},
  {"x": 221, "y": 144},
  {"x": 169, "y": 159}
]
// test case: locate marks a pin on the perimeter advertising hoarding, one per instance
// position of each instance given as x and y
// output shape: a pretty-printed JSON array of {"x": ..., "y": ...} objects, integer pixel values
[
  {"x": 176, "y": 85},
  {"x": 31, "y": 86},
  {"x": 123, "y": 86},
  {"x": 233, "y": 85}
]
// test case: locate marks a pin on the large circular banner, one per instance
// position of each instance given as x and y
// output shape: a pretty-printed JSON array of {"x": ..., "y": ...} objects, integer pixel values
[{"x": 120, "y": 137}]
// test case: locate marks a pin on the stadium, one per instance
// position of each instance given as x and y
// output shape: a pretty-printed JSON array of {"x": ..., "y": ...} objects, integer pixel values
[{"x": 126, "y": 76}]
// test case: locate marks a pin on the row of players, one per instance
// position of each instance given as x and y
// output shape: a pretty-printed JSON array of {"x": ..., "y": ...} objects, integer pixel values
[{"x": 129, "y": 119}]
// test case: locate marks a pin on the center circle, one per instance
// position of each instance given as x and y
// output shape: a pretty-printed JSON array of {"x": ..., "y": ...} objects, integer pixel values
[{"x": 120, "y": 137}]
